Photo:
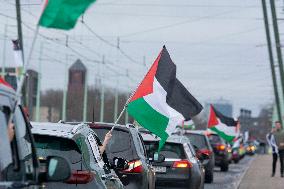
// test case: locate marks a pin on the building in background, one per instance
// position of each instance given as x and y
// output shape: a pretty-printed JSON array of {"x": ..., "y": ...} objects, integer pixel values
[
  {"x": 222, "y": 105},
  {"x": 76, "y": 84},
  {"x": 258, "y": 126}
]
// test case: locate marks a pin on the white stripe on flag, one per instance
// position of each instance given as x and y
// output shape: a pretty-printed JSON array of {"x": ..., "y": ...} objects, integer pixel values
[
  {"x": 230, "y": 131},
  {"x": 157, "y": 100}
]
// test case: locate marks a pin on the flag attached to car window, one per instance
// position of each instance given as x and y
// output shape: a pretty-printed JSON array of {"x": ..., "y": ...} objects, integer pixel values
[
  {"x": 63, "y": 14},
  {"x": 161, "y": 102},
  {"x": 224, "y": 126}
]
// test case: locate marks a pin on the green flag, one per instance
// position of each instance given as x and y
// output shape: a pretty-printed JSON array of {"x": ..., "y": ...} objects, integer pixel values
[{"x": 63, "y": 14}]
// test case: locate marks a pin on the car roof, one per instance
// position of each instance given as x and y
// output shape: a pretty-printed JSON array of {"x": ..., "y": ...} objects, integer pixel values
[
  {"x": 56, "y": 129},
  {"x": 172, "y": 139},
  {"x": 98, "y": 125},
  {"x": 201, "y": 132}
]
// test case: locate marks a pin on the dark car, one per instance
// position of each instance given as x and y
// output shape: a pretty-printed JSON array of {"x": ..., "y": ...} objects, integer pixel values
[
  {"x": 77, "y": 144},
  {"x": 200, "y": 140},
  {"x": 19, "y": 166},
  {"x": 220, "y": 148},
  {"x": 127, "y": 143},
  {"x": 179, "y": 167}
]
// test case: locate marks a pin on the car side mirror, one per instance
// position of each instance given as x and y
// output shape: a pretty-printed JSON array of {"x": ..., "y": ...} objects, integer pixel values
[
  {"x": 158, "y": 158},
  {"x": 120, "y": 163},
  {"x": 57, "y": 169}
]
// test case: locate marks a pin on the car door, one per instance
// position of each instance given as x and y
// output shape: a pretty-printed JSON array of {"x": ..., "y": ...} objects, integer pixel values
[
  {"x": 110, "y": 180},
  {"x": 151, "y": 172},
  {"x": 5, "y": 149},
  {"x": 19, "y": 152}
]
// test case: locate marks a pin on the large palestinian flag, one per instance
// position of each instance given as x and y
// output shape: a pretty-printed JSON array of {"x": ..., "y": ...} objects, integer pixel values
[
  {"x": 225, "y": 127},
  {"x": 161, "y": 102}
]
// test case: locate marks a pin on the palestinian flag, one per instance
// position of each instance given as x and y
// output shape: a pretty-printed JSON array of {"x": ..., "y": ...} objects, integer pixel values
[
  {"x": 161, "y": 102},
  {"x": 63, "y": 14},
  {"x": 225, "y": 127}
]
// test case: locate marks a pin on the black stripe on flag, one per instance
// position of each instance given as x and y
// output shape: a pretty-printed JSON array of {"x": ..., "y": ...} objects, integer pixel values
[
  {"x": 178, "y": 97},
  {"x": 224, "y": 119}
]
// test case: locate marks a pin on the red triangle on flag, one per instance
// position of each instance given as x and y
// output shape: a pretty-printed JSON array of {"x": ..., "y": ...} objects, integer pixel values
[
  {"x": 146, "y": 86},
  {"x": 213, "y": 121}
]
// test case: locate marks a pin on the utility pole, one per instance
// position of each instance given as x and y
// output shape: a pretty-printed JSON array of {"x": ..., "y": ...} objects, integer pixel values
[
  {"x": 85, "y": 98},
  {"x": 19, "y": 23},
  {"x": 4, "y": 52},
  {"x": 116, "y": 87},
  {"x": 65, "y": 91},
  {"x": 115, "y": 102},
  {"x": 270, "y": 53},
  {"x": 278, "y": 43},
  {"x": 39, "y": 84},
  {"x": 144, "y": 62},
  {"x": 102, "y": 92},
  {"x": 21, "y": 44}
]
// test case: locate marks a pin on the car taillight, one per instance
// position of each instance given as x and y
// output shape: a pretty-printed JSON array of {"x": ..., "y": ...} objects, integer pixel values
[
  {"x": 134, "y": 167},
  {"x": 182, "y": 164},
  {"x": 221, "y": 147},
  {"x": 80, "y": 177},
  {"x": 205, "y": 151}
]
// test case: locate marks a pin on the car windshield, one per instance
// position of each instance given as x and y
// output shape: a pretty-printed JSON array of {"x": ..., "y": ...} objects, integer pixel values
[
  {"x": 120, "y": 144},
  {"x": 197, "y": 140},
  {"x": 57, "y": 146},
  {"x": 170, "y": 150}
]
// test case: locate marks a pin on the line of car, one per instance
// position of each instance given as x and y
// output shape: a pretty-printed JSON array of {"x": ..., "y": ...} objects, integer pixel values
[{"x": 67, "y": 155}]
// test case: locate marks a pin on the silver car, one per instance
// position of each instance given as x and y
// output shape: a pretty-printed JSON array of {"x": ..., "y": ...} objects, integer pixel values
[
  {"x": 80, "y": 146},
  {"x": 19, "y": 167}
]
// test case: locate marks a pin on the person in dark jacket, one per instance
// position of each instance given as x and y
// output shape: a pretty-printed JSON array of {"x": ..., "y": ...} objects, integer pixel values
[
  {"x": 272, "y": 143},
  {"x": 279, "y": 139}
]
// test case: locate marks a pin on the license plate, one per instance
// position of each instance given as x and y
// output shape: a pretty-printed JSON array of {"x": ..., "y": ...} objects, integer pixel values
[{"x": 160, "y": 169}]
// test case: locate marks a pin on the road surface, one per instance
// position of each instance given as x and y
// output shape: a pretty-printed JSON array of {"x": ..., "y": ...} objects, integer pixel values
[{"x": 232, "y": 178}]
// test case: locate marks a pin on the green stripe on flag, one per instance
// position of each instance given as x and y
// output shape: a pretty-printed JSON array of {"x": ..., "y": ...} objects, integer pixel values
[
  {"x": 228, "y": 138},
  {"x": 63, "y": 14},
  {"x": 149, "y": 118}
]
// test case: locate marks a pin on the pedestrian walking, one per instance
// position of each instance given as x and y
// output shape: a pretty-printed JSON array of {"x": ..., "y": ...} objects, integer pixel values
[
  {"x": 272, "y": 143},
  {"x": 279, "y": 139}
]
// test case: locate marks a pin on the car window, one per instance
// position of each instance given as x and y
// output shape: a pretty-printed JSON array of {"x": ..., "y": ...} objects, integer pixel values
[
  {"x": 197, "y": 140},
  {"x": 56, "y": 146},
  {"x": 170, "y": 150},
  {"x": 142, "y": 146},
  {"x": 5, "y": 149},
  {"x": 120, "y": 145}
]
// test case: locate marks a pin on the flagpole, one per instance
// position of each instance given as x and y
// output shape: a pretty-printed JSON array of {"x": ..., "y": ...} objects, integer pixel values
[
  {"x": 124, "y": 108},
  {"x": 22, "y": 78}
]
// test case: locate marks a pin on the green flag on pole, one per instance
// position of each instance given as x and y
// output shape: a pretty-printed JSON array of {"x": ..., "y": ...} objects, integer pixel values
[{"x": 63, "y": 14}]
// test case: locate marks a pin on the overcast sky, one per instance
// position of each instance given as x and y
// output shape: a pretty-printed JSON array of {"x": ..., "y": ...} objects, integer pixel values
[{"x": 219, "y": 46}]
